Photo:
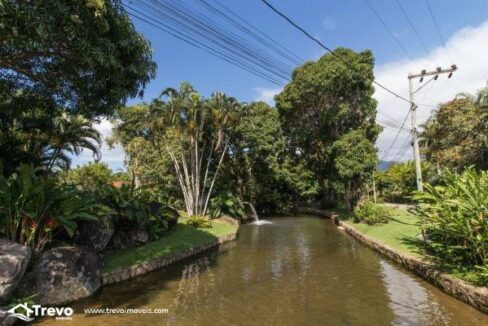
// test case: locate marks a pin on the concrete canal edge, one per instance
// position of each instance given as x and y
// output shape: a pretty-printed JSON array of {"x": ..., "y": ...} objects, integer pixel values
[
  {"x": 124, "y": 273},
  {"x": 476, "y": 297}
]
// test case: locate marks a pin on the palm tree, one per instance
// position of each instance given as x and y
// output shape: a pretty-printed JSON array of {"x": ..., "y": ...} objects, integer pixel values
[
  {"x": 71, "y": 134},
  {"x": 194, "y": 132}
]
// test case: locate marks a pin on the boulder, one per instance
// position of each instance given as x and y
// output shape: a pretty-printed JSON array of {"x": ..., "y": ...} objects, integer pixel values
[
  {"x": 5, "y": 320},
  {"x": 65, "y": 274},
  {"x": 95, "y": 235},
  {"x": 129, "y": 234},
  {"x": 168, "y": 213},
  {"x": 14, "y": 259}
]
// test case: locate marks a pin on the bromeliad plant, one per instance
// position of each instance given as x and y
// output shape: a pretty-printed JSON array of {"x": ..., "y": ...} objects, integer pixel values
[
  {"x": 32, "y": 207},
  {"x": 454, "y": 217}
]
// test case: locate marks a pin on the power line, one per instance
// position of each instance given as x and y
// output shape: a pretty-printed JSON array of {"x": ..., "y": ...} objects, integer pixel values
[
  {"x": 404, "y": 147},
  {"x": 249, "y": 28},
  {"x": 388, "y": 29},
  {"x": 396, "y": 137},
  {"x": 438, "y": 29},
  {"x": 412, "y": 26},
  {"x": 289, "y": 20},
  {"x": 198, "y": 30},
  {"x": 194, "y": 42},
  {"x": 426, "y": 83},
  {"x": 206, "y": 28}
]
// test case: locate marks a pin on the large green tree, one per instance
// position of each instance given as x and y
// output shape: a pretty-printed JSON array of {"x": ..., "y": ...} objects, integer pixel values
[
  {"x": 83, "y": 55},
  {"x": 456, "y": 136},
  {"x": 259, "y": 169},
  {"x": 325, "y": 101},
  {"x": 355, "y": 160}
]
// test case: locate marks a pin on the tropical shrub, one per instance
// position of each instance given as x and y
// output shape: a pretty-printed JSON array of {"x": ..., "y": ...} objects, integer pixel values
[
  {"x": 454, "y": 217},
  {"x": 199, "y": 221},
  {"x": 126, "y": 203},
  {"x": 156, "y": 226},
  {"x": 130, "y": 205},
  {"x": 227, "y": 204},
  {"x": 162, "y": 218},
  {"x": 32, "y": 208},
  {"x": 397, "y": 183},
  {"x": 371, "y": 213}
]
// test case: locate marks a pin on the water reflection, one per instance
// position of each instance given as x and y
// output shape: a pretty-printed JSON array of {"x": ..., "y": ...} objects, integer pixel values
[
  {"x": 409, "y": 300},
  {"x": 296, "y": 271}
]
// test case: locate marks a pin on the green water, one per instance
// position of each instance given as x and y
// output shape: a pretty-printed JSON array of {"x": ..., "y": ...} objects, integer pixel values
[{"x": 296, "y": 271}]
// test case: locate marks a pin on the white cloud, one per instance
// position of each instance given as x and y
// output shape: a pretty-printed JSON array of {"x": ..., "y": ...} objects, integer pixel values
[
  {"x": 468, "y": 49},
  {"x": 266, "y": 94},
  {"x": 329, "y": 23},
  {"x": 113, "y": 157}
]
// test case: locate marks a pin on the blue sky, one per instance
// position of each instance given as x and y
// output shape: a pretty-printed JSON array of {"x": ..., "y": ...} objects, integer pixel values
[{"x": 348, "y": 23}]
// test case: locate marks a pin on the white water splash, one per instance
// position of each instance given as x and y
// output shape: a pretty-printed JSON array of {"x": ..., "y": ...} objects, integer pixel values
[{"x": 261, "y": 222}]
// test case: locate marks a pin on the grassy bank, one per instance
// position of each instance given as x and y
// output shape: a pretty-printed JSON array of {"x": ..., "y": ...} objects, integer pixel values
[
  {"x": 181, "y": 238},
  {"x": 400, "y": 233}
]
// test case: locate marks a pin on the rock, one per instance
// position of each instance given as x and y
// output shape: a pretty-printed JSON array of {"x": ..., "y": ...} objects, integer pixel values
[
  {"x": 129, "y": 234},
  {"x": 95, "y": 235},
  {"x": 169, "y": 213},
  {"x": 14, "y": 259},
  {"x": 65, "y": 274},
  {"x": 4, "y": 320}
]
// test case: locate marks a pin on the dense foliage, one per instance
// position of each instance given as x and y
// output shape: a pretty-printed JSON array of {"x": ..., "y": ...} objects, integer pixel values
[
  {"x": 260, "y": 169},
  {"x": 456, "y": 136},
  {"x": 84, "y": 55},
  {"x": 88, "y": 177},
  {"x": 328, "y": 102},
  {"x": 397, "y": 183},
  {"x": 32, "y": 208},
  {"x": 454, "y": 217},
  {"x": 189, "y": 133},
  {"x": 45, "y": 137},
  {"x": 371, "y": 213}
]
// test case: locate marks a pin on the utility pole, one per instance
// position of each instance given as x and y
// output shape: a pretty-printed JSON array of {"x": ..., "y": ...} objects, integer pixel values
[{"x": 413, "y": 114}]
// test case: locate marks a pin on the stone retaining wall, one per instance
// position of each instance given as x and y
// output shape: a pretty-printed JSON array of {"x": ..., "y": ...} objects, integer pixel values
[
  {"x": 466, "y": 292},
  {"x": 125, "y": 273}
]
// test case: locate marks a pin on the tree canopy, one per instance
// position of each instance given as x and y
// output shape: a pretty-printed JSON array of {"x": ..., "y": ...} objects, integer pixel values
[
  {"x": 325, "y": 101},
  {"x": 83, "y": 55},
  {"x": 456, "y": 136}
]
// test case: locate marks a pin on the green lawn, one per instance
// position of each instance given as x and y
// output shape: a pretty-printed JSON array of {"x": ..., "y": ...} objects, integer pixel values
[
  {"x": 183, "y": 237},
  {"x": 399, "y": 233}
]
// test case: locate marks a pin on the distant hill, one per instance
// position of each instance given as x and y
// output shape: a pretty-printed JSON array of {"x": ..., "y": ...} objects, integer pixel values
[{"x": 383, "y": 165}]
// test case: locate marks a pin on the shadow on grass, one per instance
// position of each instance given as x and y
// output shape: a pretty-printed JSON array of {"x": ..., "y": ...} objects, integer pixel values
[
  {"x": 400, "y": 221},
  {"x": 420, "y": 247}
]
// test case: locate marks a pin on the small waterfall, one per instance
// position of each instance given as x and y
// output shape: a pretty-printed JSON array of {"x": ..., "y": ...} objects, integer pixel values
[
  {"x": 253, "y": 211},
  {"x": 255, "y": 216}
]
